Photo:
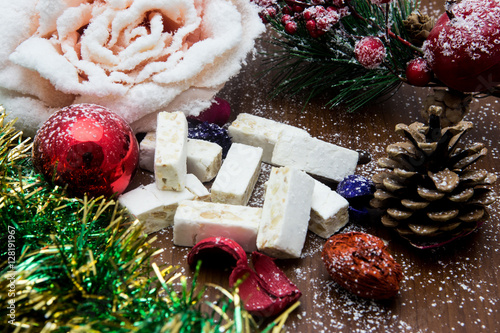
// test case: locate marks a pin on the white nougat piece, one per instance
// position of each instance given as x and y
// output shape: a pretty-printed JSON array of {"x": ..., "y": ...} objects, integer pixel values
[
  {"x": 170, "y": 154},
  {"x": 260, "y": 132},
  {"x": 204, "y": 159},
  {"x": 286, "y": 212},
  {"x": 197, "y": 220},
  {"x": 195, "y": 186},
  {"x": 238, "y": 175},
  {"x": 156, "y": 208},
  {"x": 314, "y": 156},
  {"x": 147, "y": 152},
  {"x": 329, "y": 211}
]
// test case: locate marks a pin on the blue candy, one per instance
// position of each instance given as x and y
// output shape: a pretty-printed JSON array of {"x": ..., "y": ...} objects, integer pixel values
[
  {"x": 357, "y": 190},
  {"x": 355, "y": 186}
]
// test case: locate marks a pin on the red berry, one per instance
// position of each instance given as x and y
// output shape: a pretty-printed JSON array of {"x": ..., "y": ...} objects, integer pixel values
[
  {"x": 328, "y": 20},
  {"x": 298, "y": 8},
  {"x": 263, "y": 18},
  {"x": 370, "y": 52},
  {"x": 308, "y": 15},
  {"x": 287, "y": 10},
  {"x": 291, "y": 27},
  {"x": 320, "y": 32},
  {"x": 271, "y": 11},
  {"x": 418, "y": 72},
  {"x": 312, "y": 28},
  {"x": 320, "y": 11},
  {"x": 311, "y": 25},
  {"x": 285, "y": 18},
  {"x": 343, "y": 11}
]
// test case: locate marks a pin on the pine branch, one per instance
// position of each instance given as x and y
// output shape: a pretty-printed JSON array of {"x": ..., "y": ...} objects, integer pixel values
[{"x": 326, "y": 65}]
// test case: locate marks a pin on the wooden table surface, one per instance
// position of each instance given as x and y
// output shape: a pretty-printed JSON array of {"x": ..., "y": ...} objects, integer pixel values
[{"x": 450, "y": 289}]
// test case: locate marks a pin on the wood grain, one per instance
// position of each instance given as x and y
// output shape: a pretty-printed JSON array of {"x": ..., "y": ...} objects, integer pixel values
[{"x": 450, "y": 289}]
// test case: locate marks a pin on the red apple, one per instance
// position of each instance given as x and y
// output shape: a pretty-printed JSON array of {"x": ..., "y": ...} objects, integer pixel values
[{"x": 464, "y": 52}]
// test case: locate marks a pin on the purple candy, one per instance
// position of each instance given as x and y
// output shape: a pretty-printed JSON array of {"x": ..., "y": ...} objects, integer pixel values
[{"x": 210, "y": 132}]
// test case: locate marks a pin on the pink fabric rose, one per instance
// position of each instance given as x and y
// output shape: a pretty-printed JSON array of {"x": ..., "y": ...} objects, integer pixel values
[{"x": 136, "y": 57}]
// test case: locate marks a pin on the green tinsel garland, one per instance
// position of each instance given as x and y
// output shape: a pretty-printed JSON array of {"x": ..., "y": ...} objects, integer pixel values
[{"x": 71, "y": 265}]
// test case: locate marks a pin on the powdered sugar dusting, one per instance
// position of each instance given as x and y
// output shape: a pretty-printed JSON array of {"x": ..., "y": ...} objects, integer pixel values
[
  {"x": 450, "y": 289},
  {"x": 445, "y": 286}
]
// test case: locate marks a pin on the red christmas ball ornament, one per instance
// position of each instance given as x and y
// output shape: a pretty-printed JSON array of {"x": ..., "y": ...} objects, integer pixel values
[
  {"x": 370, "y": 52},
  {"x": 464, "y": 51},
  {"x": 218, "y": 113},
  {"x": 87, "y": 148},
  {"x": 418, "y": 72}
]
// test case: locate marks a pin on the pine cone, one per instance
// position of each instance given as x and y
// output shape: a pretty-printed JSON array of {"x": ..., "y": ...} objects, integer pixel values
[
  {"x": 418, "y": 27},
  {"x": 455, "y": 105},
  {"x": 428, "y": 194}
]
